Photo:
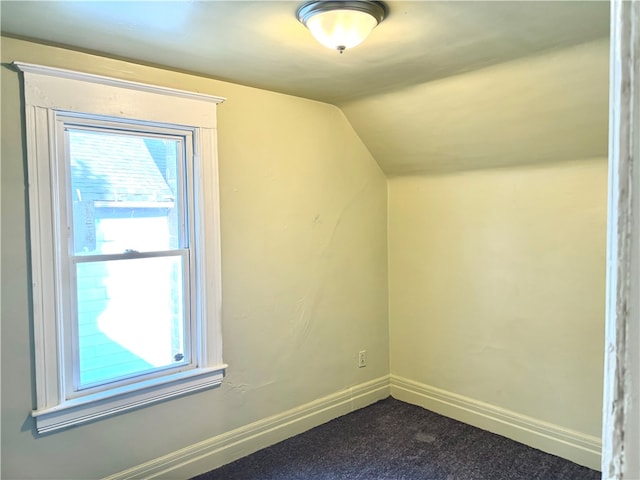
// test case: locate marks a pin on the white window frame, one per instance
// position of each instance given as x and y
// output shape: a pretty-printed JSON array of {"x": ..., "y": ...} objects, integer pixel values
[
  {"x": 68, "y": 258},
  {"x": 48, "y": 94}
]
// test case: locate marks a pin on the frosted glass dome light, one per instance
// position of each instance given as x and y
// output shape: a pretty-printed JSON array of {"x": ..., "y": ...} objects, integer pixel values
[{"x": 341, "y": 24}]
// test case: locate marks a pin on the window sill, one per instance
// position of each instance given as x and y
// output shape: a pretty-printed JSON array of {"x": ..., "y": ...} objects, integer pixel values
[{"x": 110, "y": 402}]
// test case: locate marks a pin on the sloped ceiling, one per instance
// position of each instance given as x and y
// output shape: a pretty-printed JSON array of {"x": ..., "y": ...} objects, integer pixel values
[
  {"x": 541, "y": 109},
  {"x": 439, "y": 86}
]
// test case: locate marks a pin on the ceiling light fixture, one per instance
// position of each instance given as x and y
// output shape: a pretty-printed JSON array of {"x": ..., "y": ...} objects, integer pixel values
[{"x": 341, "y": 24}]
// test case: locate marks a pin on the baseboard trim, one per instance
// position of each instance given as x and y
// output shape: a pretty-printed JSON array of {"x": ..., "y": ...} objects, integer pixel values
[
  {"x": 227, "y": 447},
  {"x": 575, "y": 446},
  {"x": 222, "y": 449}
]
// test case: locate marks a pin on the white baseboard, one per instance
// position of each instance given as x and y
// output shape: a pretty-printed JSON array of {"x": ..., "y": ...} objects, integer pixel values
[
  {"x": 222, "y": 449},
  {"x": 562, "y": 442}
]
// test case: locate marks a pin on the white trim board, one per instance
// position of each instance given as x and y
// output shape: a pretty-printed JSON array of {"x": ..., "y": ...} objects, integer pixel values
[
  {"x": 570, "y": 444},
  {"x": 222, "y": 449},
  {"x": 621, "y": 402}
]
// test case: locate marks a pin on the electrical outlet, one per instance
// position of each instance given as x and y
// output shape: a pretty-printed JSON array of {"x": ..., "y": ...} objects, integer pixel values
[{"x": 362, "y": 358}]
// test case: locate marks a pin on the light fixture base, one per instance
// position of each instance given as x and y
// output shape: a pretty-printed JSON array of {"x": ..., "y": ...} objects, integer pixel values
[{"x": 377, "y": 10}]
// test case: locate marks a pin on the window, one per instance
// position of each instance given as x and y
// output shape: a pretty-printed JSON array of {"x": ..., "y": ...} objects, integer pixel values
[{"x": 124, "y": 244}]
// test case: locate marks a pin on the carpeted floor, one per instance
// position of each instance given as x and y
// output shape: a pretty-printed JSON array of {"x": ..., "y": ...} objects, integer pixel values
[{"x": 394, "y": 440}]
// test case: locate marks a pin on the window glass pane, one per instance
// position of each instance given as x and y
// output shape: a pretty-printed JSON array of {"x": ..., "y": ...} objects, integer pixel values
[
  {"x": 130, "y": 317},
  {"x": 125, "y": 192}
]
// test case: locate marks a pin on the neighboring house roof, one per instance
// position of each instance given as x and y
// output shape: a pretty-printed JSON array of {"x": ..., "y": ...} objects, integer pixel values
[{"x": 116, "y": 168}]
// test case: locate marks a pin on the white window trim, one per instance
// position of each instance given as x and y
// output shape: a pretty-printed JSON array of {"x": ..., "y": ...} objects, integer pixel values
[{"x": 46, "y": 91}]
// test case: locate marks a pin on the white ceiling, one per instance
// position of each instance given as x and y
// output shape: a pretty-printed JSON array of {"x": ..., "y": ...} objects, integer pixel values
[{"x": 261, "y": 43}]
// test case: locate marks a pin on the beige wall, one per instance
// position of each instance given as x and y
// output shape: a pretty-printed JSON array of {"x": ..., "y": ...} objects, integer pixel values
[
  {"x": 497, "y": 283},
  {"x": 496, "y": 277},
  {"x": 304, "y": 274}
]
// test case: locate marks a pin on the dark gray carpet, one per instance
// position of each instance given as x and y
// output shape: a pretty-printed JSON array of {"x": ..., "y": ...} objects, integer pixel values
[{"x": 394, "y": 440}]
